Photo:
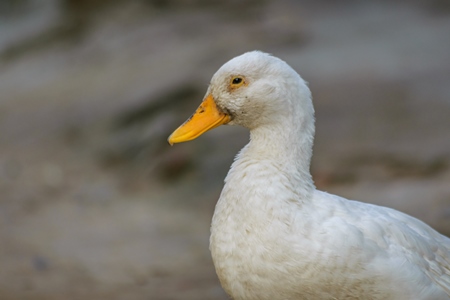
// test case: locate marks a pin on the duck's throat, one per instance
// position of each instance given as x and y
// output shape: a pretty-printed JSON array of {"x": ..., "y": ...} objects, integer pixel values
[
  {"x": 281, "y": 149},
  {"x": 290, "y": 147}
]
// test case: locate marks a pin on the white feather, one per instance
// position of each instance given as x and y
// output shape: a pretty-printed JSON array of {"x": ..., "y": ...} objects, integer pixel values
[{"x": 274, "y": 236}]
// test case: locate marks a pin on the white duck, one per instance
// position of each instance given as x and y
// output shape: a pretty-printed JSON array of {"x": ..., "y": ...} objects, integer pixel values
[{"x": 273, "y": 235}]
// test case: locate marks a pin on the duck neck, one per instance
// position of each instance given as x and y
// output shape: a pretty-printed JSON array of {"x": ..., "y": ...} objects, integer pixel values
[{"x": 287, "y": 146}]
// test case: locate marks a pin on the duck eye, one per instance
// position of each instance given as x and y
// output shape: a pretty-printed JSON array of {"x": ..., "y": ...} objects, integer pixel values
[{"x": 236, "y": 80}]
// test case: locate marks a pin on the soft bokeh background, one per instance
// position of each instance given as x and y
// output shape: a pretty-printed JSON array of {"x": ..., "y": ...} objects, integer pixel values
[{"x": 94, "y": 204}]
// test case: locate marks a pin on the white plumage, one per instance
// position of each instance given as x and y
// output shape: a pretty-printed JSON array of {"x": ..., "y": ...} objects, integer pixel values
[{"x": 274, "y": 236}]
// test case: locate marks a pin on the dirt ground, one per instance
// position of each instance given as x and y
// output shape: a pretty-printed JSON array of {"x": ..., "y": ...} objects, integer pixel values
[{"x": 94, "y": 204}]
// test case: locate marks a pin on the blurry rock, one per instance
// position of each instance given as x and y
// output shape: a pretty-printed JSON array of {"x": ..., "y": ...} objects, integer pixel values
[
  {"x": 10, "y": 170},
  {"x": 172, "y": 4},
  {"x": 173, "y": 100},
  {"x": 52, "y": 175},
  {"x": 8, "y": 7},
  {"x": 141, "y": 132},
  {"x": 84, "y": 6},
  {"x": 40, "y": 263}
]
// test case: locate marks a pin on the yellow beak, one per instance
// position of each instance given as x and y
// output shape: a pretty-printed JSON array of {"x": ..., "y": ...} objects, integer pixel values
[{"x": 206, "y": 117}]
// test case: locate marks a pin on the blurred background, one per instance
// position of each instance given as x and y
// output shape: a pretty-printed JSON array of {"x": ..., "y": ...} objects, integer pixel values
[{"x": 94, "y": 204}]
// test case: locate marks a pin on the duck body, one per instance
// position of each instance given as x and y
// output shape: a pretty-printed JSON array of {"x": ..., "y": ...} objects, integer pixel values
[
  {"x": 325, "y": 247},
  {"x": 273, "y": 234}
]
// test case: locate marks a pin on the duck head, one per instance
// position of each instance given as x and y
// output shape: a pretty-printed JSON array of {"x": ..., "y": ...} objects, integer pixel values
[{"x": 252, "y": 90}]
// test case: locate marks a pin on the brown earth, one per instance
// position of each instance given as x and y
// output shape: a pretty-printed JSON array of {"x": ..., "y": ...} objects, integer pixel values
[{"x": 94, "y": 203}]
